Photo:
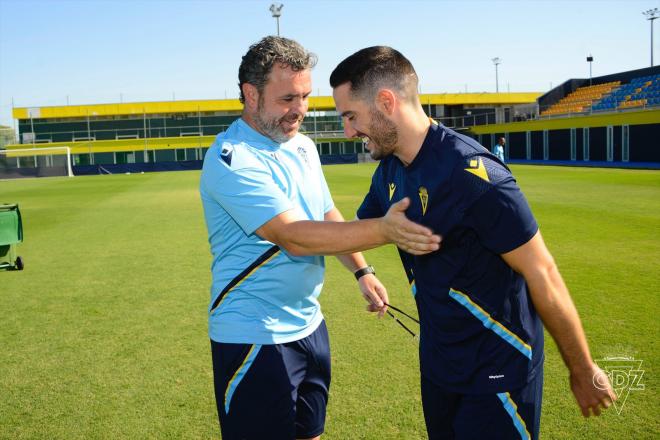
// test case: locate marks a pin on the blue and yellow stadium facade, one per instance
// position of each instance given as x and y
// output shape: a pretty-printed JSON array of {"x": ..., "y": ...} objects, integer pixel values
[
  {"x": 181, "y": 131},
  {"x": 627, "y": 138}
]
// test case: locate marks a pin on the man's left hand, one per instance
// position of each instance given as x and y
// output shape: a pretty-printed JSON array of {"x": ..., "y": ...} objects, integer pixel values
[{"x": 592, "y": 390}]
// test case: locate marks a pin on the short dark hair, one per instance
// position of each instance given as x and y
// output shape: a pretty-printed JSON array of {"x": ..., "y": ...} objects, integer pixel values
[
  {"x": 371, "y": 68},
  {"x": 260, "y": 58}
]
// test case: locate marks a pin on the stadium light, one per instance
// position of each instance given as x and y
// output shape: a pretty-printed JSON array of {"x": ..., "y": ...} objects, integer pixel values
[
  {"x": 276, "y": 10},
  {"x": 651, "y": 15},
  {"x": 497, "y": 62},
  {"x": 590, "y": 60}
]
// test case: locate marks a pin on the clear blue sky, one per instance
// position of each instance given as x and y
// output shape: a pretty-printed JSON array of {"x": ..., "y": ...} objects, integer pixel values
[{"x": 147, "y": 50}]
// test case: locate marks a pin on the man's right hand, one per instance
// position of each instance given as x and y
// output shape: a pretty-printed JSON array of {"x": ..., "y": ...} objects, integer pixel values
[{"x": 407, "y": 235}]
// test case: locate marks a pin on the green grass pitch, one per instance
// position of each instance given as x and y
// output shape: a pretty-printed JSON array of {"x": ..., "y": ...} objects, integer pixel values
[{"x": 104, "y": 333}]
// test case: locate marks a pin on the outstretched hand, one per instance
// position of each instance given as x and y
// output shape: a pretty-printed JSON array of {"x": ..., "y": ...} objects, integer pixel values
[{"x": 407, "y": 235}]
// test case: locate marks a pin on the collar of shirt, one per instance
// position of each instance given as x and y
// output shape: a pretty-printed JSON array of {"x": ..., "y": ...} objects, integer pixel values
[{"x": 428, "y": 140}]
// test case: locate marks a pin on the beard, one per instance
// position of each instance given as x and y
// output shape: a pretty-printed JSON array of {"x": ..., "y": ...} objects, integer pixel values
[
  {"x": 272, "y": 128},
  {"x": 383, "y": 133}
]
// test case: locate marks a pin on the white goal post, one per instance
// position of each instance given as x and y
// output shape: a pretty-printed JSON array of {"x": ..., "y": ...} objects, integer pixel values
[{"x": 37, "y": 157}]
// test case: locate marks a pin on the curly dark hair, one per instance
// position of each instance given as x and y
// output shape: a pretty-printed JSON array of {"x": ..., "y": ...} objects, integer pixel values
[{"x": 259, "y": 60}]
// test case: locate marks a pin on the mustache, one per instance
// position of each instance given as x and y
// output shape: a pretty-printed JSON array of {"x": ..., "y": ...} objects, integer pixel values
[
  {"x": 295, "y": 117},
  {"x": 364, "y": 137}
]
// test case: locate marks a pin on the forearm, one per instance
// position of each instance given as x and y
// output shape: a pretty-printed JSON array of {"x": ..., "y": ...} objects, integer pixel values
[
  {"x": 306, "y": 237},
  {"x": 353, "y": 261},
  {"x": 554, "y": 305},
  {"x": 559, "y": 315},
  {"x": 335, "y": 237}
]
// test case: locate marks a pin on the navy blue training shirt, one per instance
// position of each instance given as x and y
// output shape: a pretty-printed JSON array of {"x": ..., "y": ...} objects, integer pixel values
[{"x": 479, "y": 330}]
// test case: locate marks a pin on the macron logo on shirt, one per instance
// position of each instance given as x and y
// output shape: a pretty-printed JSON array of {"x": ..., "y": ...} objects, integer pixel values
[
  {"x": 496, "y": 376},
  {"x": 226, "y": 154}
]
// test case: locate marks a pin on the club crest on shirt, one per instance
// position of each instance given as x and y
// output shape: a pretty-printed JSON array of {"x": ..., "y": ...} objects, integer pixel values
[
  {"x": 226, "y": 154},
  {"x": 303, "y": 155},
  {"x": 477, "y": 167},
  {"x": 424, "y": 198},
  {"x": 392, "y": 187}
]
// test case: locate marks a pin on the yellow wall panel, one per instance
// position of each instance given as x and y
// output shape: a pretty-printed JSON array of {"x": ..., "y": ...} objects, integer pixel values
[
  {"x": 319, "y": 103},
  {"x": 126, "y": 144}
]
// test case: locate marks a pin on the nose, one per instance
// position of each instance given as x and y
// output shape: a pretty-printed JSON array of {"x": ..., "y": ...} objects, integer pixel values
[
  {"x": 349, "y": 131},
  {"x": 300, "y": 106}
]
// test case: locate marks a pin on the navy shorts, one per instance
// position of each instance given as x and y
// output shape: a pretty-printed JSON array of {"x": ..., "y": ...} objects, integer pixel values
[
  {"x": 275, "y": 391},
  {"x": 507, "y": 416}
]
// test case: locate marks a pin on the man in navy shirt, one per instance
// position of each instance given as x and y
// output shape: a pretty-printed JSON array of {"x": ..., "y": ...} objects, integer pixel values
[{"x": 481, "y": 297}]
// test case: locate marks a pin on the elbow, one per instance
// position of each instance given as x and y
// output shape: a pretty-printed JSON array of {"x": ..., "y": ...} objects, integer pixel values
[
  {"x": 295, "y": 240},
  {"x": 285, "y": 238},
  {"x": 541, "y": 272},
  {"x": 546, "y": 285},
  {"x": 547, "y": 272},
  {"x": 549, "y": 267},
  {"x": 294, "y": 250}
]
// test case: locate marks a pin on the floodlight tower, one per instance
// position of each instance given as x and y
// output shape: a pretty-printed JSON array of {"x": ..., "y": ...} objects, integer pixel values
[
  {"x": 651, "y": 15},
  {"x": 497, "y": 61},
  {"x": 276, "y": 10},
  {"x": 590, "y": 59}
]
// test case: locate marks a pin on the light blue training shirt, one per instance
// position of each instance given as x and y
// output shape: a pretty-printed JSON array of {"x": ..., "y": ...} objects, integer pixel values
[
  {"x": 498, "y": 150},
  {"x": 260, "y": 294}
]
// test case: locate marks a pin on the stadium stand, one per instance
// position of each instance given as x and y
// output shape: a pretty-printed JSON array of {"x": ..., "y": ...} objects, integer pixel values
[
  {"x": 639, "y": 92},
  {"x": 581, "y": 99},
  {"x": 642, "y": 91}
]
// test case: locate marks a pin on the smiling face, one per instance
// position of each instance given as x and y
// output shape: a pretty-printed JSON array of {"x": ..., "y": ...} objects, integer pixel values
[
  {"x": 279, "y": 109},
  {"x": 364, "y": 120}
]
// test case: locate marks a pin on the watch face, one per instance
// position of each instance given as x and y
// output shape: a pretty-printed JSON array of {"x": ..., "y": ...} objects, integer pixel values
[{"x": 365, "y": 270}]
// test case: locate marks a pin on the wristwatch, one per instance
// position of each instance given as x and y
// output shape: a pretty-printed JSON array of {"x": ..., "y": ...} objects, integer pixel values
[{"x": 362, "y": 272}]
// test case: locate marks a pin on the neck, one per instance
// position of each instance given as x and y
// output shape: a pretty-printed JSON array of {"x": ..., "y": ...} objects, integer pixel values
[
  {"x": 415, "y": 126},
  {"x": 249, "y": 120}
]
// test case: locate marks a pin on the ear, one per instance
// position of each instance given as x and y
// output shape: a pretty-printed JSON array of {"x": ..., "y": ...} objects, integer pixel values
[
  {"x": 386, "y": 101},
  {"x": 251, "y": 95}
]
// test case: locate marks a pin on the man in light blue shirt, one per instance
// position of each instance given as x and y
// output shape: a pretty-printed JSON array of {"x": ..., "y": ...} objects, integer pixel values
[
  {"x": 498, "y": 149},
  {"x": 242, "y": 159},
  {"x": 270, "y": 218}
]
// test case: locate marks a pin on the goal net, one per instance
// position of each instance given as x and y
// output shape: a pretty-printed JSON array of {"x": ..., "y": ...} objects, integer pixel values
[{"x": 35, "y": 162}]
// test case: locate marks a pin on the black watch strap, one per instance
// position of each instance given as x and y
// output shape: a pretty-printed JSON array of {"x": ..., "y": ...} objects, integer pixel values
[{"x": 362, "y": 272}]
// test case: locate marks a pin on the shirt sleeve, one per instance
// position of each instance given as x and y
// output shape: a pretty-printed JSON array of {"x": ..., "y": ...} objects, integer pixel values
[
  {"x": 496, "y": 208},
  {"x": 249, "y": 195},
  {"x": 371, "y": 207}
]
